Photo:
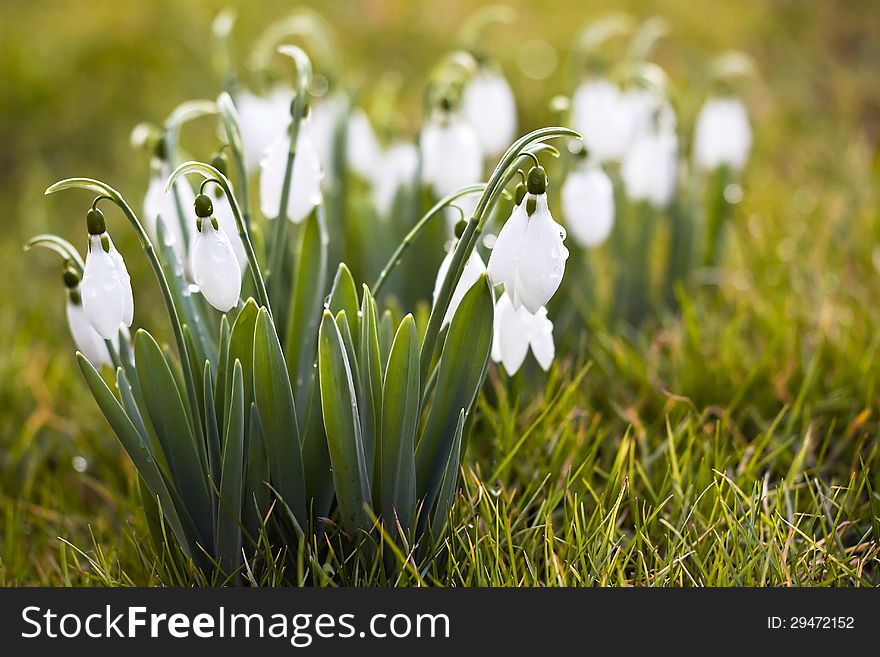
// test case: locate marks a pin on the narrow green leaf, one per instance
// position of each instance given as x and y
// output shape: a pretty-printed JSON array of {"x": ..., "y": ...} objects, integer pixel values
[
  {"x": 274, "y": 399},
  {"x": 316, "y": 457},
  {"x": 386, "y": 336},
  {"x": 450, "y": 479},
  {"x": 400, "y": 417},
  {"x": 228, "y": 518},
  {"x": 342, "y": 424},
  {"x": 212, "y": 427},
  {"x": 222, "y": 367},
  {"x": 344, "y": 296},
  {"x": 370, "y": 385},
  {"x": 168, "y": 415},
  {"x": 256, "y": 490},
  {"x": 463, "y": 361}
]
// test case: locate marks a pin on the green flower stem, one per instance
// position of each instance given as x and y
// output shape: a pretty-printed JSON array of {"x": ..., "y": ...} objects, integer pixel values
[
  {"x": 60, "y": 246},
  {"x": 717, "y": 214},
  {"x": 637, "y": 296},
  {"x": 417, "y": 230},
  {"x": 165, "y": 287},
  {"x": 503, "y": 173},
  {"x": 210, "y": 173},
  {"x": 681, "y": 228},
  {"x": 229, "y": 116}
]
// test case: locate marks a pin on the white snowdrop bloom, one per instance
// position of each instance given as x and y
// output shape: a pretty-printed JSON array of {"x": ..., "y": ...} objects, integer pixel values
[
  {"x": 490, "y": 106},
  {"x": 226, "y": 219},
  {"x": 649, "y": 169},
  {"x": 305, "y": 185},
  {"x": 588, "y": 205},
  {"x": 604, "y": 116},
  {"x": 451, "y": 154},
  {"x": 650, "y": 111},
  {"x": 723, "y": 134},
  {"x": 398, "y": 169},
  {"x": 529, "y": 257},
  {"x": 516, "y": 329},
  {"x": 159, "y": 205},
  {"x": 262, "y": 120},
  {"x": 85, "y": 337},
  {"x": 473, "y": 269},
  {"x": 325, "y": 116},
  {"x": 363, "y": 151},
  {"x": 106, "y": 288},
  {"x": 215, "y": 267}
]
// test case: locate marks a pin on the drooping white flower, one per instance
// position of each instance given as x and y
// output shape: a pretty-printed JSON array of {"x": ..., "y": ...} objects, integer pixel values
[
  {"x": 325, "y": 116},
  {"x": 473, "y": 269},
  {"x": 649, "y": 111},
  {"x": 262, "y": 120},
  {"x": 226, "y": 219},
  {"x": 723, "y": 134},
  {"x": 528, "y": 257},
  {"x": 161, "y": 206},
  {"x": 398, "y": 169},
  {"x": 305, "y": 185},
  {"x": 107, "y": 298},
  {"x": 588, "y": 205},
  {"x": 516, "y": 329},
  {"x": 363, "y": 150},
  {"x": 649, "y": 169},
  {"x": 215, "y": 267},
  {"x": 490, "y": 106},
  {"x": 85, "y": 337},
  {"x": 451, "y": 154},
  {"x": 605, "y": 117}
]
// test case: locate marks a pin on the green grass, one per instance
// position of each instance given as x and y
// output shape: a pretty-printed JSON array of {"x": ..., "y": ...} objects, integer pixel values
[{"x": 734, "y": 444}]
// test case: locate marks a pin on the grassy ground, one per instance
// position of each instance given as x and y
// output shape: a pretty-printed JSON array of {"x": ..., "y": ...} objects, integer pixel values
[{"x": 733, "y": 444}]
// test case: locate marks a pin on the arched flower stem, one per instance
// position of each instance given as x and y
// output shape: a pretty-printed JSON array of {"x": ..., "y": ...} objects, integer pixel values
[
  {"x": 111, "y": 194},
  {"x": 417, "y": 230},
  {"x": 60, "y": 246},
  {"x": 501, "y": 176}
]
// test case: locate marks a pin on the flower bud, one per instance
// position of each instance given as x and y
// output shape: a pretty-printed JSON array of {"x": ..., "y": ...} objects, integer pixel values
[
  {"x": 204, "y": 207},
  {"x": 537, "y": 181},
  {"x": 95, "y": 222}
]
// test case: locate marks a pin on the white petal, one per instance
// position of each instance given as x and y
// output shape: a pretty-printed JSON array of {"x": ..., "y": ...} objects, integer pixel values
[
  {"x": 305, "y": 187},
  {"x": 507, "y": 248},
  {"x": 398, "y": 169},
  {"x": 541, "y": 339},
  {"x": 125, "y": 281},
  {"x": 605, "y": 118},
  {"x": 159, "y": 206},
  {"x": 226, "y": 219},
  {"x": 451, "y": 155},
  {"x": 215, "y": 268},
  {"x": 86, "y": 339},
  {"x": 489, "y": 105},
  {"x": 723, "y": 135},
  {"x": 262, "y": 120},
  {"x": 362, "y": 149},
  {"x": 588, "y": 205},
  {"x": 511, "y": 334},
  {"x": 103, "y": 296},
  {"x": 649, "y": 169},
  {"x": 471, "y": 273},
  {"x": 542, "y": 265},
  {"x": 325, "y": 118}
]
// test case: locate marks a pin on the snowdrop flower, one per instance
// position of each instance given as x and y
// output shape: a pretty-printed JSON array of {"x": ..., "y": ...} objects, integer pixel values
[
  {"x": 107, "y": 298},
  {"x": 650, "y": 111},
  {"x": 85, "y": 337},
  {"x": 325, "y": 117},
  {"x": 528, "y": 257},
  {"x": 516, "y": 329},
  {"x": 398, "y": 168},
  {"x": 226, "y": 219},
  {"x": 451, "y": 154},
  {"x": 649, "y": 168},
  {"x": 362, "y": 148},
  {"x": 305, "y": 185},
  {"x": 489, "y": 105},
  {"x": 723, "y": 134},
  {"x": 262, "y": 120},
  {"x": 605, "y": 117},
  {"x": 588, "y": 205},
  {"x": 473, "y": 269},
  {"x": 159, "y": 205},
  {"x": 215, "y": 268}
]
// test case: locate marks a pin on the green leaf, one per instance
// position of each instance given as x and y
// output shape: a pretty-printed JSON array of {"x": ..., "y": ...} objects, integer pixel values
[
  {"x": 274, "y": 399},
  {"x": 343, "y": 296},
  {"x": 369, "y": 384},
  {"x": 386, "y": 336},
  {"x": 139, "y": 453},
  {"x": 462, "y": 365},
  {"x": 228, "y": 518},
  {"x": 450, "y": 478},
  {"x": 343, "y": 427},
  {"x": 400, "y": 417},
  {"x": 256, "y": 492},
  {"x": 316, "y": 457},
  {"x": 222, "y": 367},
  {"x": 306, "y": 303},
  {"x": 212, "y": 427},
  {"x": 168, "y": 415}
]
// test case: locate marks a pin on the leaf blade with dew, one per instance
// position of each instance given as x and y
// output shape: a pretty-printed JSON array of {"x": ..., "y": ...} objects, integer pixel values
[
  {"x": 370, "y": 385},
  {"x": 231, "y": 478},
  {"x": 344, "y": 296},
  {"x": 446, "y": 496},
  {"x": 273, "y": 396}
]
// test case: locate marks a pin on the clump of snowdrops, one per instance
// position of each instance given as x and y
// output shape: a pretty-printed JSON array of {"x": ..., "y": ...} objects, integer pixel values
[{"x": 291, "y": 401}]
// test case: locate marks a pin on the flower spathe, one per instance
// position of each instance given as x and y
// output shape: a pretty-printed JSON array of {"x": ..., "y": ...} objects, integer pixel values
[
  {"x": 588, "y": 205},
  {"x": 305, "y": 182},
  {"x": 528, "y": 257},
  {"x": 451, "y": 154},
  {"x": 490, "y": 106},
  {"x": 723, "y": 135},
  {"x": 516, "y": 330},
  {"x": 262, "y": 120},
  {"x": 473, "y": 269},
  {"x": 107, "y": 299},
  {"x": 215, "y": 268},
  {"x": 162, "y": 206}
]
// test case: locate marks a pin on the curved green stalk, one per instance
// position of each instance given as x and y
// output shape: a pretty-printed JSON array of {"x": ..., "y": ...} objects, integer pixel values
[
  {"x": 210, "y": 173},
  {"x": 60, "y": 246},
  {"x": 229, "y": 117}
]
